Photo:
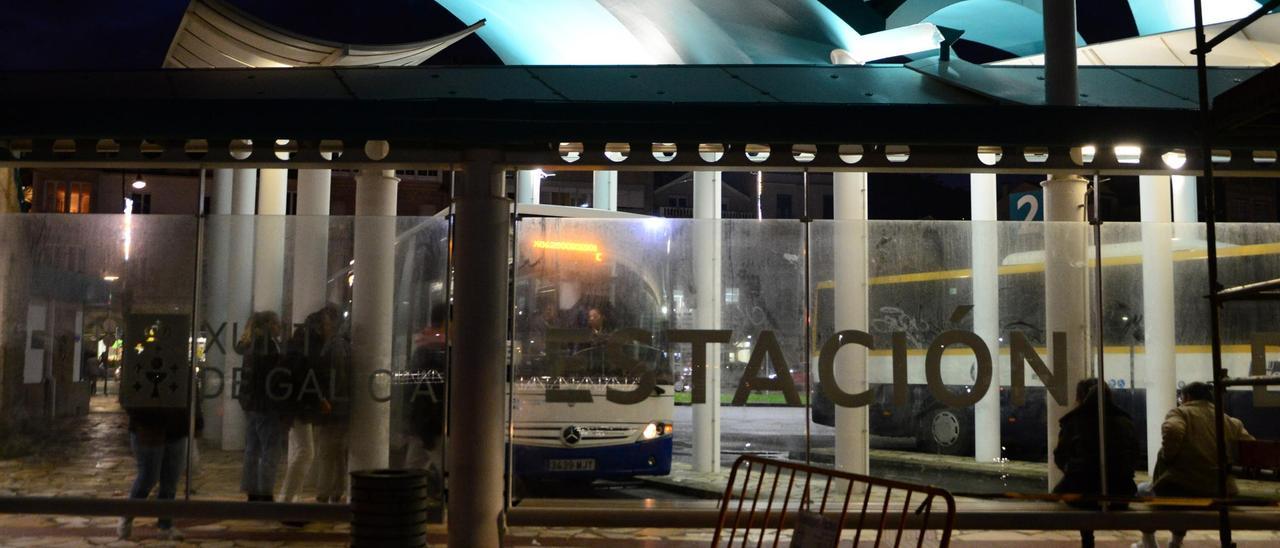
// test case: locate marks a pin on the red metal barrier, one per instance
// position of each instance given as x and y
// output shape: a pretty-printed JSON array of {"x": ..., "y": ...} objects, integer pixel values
[{"x": 814, "y": 503}]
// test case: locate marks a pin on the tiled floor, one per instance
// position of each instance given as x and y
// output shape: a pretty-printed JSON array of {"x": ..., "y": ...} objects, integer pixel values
[{"x": 91, "y": 458}]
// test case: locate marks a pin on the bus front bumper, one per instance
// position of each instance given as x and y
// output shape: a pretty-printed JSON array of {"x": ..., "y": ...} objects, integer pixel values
[{"x": 645, "y": 458}]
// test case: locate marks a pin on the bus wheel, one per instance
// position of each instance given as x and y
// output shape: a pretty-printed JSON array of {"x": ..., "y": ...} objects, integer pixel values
[{"x": 941, "y": 431}]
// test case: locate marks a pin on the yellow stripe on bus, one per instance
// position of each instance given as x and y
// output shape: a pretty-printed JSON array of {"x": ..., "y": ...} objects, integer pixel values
[
  {"x": 1179, "y": 349},
  {"x": 962, "y": 273}
]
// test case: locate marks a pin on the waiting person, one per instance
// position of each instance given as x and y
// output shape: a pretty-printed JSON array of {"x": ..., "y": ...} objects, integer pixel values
[
  {"x": 307, "y": 359},
  {"x": 1078, "y": 454},
  {"x": 158, "y": 437},
  {"x": 1187, "y": 465},
  {"x": 264, "y": 424},
  {"x": 426, "y": 400},
  {"x": 334, "y": 411}
]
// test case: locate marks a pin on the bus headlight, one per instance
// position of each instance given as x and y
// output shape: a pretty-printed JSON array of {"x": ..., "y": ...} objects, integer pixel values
[{"x": 651, "y": 431}]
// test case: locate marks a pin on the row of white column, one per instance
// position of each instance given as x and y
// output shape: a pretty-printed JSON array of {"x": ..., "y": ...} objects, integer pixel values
[
  {"x": 604, "y": 188},
  {"x": 247, "y": 249}
]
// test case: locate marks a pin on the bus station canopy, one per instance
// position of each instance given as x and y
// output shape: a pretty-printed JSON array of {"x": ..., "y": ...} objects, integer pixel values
[
  {"x": 526, "y": 108},
  {"x": 214, "y": 34}
]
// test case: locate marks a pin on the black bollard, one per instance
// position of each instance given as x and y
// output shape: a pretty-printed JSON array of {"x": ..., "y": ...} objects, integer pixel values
[{"x": 389, "y": 508}]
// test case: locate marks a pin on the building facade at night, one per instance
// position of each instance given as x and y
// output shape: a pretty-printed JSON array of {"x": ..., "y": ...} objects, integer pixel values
[{"x": 649, "y": 243}]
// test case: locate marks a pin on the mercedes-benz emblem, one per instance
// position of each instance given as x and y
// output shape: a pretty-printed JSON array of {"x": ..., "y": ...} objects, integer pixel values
[{"x": 571, "y": 435}]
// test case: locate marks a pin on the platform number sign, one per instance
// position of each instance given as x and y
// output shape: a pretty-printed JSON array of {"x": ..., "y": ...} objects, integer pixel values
[
  {"x": 156, "y": 365},
  {"x": 1026, "y": 206}
]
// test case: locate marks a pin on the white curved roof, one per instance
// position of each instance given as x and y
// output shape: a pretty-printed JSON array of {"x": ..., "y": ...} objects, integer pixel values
[
  {"x": 1258, "y": 45},
  {"x": 214, "y": 34}
]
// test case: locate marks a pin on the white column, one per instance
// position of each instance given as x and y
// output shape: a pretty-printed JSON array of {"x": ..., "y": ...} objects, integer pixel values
[
  {"x": 1157, "y": 307},
  {"x": 311, "y": 243},
  {"x": 244, "y": 191},
  {"x": 1185, "y": 207},
  {"x": 985, "y": 245},
  {"x": 708, "y": 297},
  {"x": 849, "y": 197},
  {"x": 528, "y": 186},
  {"x": 604, "y": 190},
  {"x": 1066, "y": 290},
  {"x": 268, "y": 242},
  {"x": 217, "y": 259},
  {"x": 372, "y": 302},
  {"x": 477, "y": 399}
]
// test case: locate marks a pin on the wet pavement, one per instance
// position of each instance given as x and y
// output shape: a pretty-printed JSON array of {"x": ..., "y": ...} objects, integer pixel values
[{"x": 89, "y": 456}]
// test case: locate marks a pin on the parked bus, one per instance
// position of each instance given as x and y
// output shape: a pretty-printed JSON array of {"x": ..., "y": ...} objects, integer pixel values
[
  {"x": 923, "y": 304},
  {"x": 586, "y": 321}
]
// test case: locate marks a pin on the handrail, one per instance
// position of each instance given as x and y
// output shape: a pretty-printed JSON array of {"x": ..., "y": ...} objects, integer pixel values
[
  {"x": 204, "y": 509},
  {"x": 569, "y": 513}
]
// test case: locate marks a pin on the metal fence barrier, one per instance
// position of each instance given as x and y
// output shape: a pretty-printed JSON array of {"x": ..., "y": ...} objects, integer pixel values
[{"x": 823, "y": 502}]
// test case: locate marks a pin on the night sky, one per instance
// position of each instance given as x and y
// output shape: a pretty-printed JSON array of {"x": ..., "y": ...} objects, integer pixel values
[{"x": 115, "y": 34}]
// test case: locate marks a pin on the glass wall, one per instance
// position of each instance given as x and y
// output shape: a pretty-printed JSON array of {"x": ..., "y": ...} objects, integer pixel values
[
  {"x": 295, "y": 390},
  {"x": 949, "y": 367},
  {"x": 647, "y": 353},
  {"x": 96, "y": 313}
]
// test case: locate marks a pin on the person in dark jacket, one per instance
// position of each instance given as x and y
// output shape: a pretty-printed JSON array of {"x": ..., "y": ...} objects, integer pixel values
[
  {"x": 1078, "y": 454},
  {"x": 310, "y": 360},
  {"x": 265, "y": 427},
  {"x": 332, "y": 412},
  {"x": 158, "y": 437}
]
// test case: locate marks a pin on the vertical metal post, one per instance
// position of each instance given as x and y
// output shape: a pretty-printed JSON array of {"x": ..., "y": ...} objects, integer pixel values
[
  {"x": 808, "y": 314},
  {"x": 1095, "y": 219},
  {"x": 478, "y": 375},
  {"x": 1211, "y": 217},
  {"x": 193, "y": 396}
]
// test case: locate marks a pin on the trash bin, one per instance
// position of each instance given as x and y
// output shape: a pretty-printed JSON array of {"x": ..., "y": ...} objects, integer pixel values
[{"x": 388, "y": 508}]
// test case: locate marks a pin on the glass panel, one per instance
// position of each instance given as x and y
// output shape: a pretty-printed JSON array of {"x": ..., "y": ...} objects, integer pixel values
[
  {"x": 96, "y": 313},
  {"x": 1158, "y": 344},
  {"x": 289, "y": 365},
  {"x": 594, "y": 387},
  {"x": 600, "y": 303},
  {"x": 919, "y": 286}
]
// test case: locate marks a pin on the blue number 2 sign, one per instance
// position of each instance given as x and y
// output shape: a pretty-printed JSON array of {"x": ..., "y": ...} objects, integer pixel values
[{"x": 1026, "y": 206}]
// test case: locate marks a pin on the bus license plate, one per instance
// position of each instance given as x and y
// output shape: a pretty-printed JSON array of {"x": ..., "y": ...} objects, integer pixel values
[{"x": 571, "y": 465}]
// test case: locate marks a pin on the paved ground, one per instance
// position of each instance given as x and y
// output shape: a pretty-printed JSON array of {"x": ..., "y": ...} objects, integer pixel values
[{"x": 89, "y": 457}]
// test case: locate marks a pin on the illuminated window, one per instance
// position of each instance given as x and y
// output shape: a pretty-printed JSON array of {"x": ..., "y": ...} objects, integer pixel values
[{"x": 64, "y": 197}]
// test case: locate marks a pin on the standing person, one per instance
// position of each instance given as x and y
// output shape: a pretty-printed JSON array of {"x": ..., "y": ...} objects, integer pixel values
[
  {"x": 427, "y": 400},
  {"x": 264, "y": 425},
  {"x": 307, "y": 364},
  {"x": 1078, "y": 453},
  {"x": 158, "y": 437},
  {"x": 105, "y": 372},
  {"x": 334, "y": 409},
  {"x": 89, "y": 371},
  {"x": 1188, "y": 462}
]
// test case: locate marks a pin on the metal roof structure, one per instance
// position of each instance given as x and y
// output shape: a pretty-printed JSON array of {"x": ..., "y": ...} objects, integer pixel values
[
  {"x": 568, "y": 117},
  {"x": 215, "y": 34}
]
